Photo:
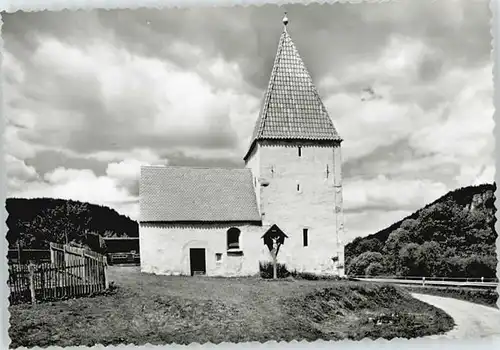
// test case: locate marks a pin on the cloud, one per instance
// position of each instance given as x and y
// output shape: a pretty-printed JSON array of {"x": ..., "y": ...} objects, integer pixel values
[
  {"x": 18, "y": 168},
  {"x": 91, "y": 95},
  {"x": 142, "y": 94},
  {"x": 127, "y": 102},
  {"x": 390, "y": 194},
  {"x": 82, "y": 185},
  {"x": 125, "y": 170},
  {"x": 127, "y": 173},
  {"x": 370, "y": 221},
  {"x": 487, "y": 175},
  {"x": 366, "y": 126},
  {"x": 19, "y": 174}
]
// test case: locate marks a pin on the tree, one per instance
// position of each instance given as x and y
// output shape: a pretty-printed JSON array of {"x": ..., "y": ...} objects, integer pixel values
[
  {"x": 454, "y": 236},
  {"x": 370, "y": 245},
  {"x": 396, "y": 240},
  {"x": 61, "y": 224},
  {"x": 374, "y": 269},
  {"x": 409, "y": 225},
  {"x": 408, "y": 258},
  {"x": 429, "y": 258}
]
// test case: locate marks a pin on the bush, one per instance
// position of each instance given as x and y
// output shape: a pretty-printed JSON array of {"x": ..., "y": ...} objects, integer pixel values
[
  {"x": 361, "y": 262},
  {"x": 266, "y": 270},
  {"x": 480, "y": 266},
  {"x": 314, "y": 277},
  {"x": 306, "y": 276}
]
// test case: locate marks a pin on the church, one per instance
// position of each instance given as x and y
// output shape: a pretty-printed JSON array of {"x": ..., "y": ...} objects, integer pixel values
[{"x": 215, "y": 221}]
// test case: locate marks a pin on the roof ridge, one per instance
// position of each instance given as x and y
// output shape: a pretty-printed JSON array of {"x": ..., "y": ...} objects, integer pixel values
[
  {"x": 190, "y": 167},
  {"x": 259, "y": 125},
  {"x": 272, "y": 79}
]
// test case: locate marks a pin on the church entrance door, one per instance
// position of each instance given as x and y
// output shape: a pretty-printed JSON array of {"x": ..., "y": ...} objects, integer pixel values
[{"x": 197, "y": 261}]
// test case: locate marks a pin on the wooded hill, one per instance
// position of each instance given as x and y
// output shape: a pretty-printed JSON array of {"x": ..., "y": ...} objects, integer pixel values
[
  {"x": 453, "y": 236},
  {"x": 36, "y": 222}
]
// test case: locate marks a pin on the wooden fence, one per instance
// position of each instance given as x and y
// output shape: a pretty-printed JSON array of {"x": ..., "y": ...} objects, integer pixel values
[
  {"x": 61, "y": 254},
  {"x": 70, "y": 274}
]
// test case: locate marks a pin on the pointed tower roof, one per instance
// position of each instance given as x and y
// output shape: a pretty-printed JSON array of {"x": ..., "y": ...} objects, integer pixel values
[{"x": 292, "y": 108}]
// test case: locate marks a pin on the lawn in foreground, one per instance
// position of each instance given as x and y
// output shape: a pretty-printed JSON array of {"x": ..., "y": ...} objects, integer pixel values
[{"x": 166, "y": 309}]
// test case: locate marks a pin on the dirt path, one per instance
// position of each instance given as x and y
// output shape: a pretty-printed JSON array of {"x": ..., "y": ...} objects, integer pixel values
[{"x": 471, "y": 320}]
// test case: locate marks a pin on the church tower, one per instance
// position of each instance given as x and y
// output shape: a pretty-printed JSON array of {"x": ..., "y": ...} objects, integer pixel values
[{"x": 295, "y": 159}]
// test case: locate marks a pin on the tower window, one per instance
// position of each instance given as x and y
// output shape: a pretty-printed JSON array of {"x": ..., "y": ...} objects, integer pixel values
[
  {"x": 300, "y": 151},
  {"x": 298, "y": 187},
  {"x": 305, "y": 237},
  {"x": 327, "y": 171},
  {"x": 218, "y": 257}
]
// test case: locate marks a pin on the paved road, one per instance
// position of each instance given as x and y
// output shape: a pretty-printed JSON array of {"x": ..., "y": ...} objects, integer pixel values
[{"x": 471, "y": 320}]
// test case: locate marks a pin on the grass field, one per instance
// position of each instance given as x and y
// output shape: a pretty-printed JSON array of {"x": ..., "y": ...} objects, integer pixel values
[{"x": 162, "y": 309}]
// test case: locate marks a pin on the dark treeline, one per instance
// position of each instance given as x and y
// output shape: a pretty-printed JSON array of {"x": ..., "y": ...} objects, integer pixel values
[
  {"x": 452, "y": 237},
  {"x": 36, "y": 222}
]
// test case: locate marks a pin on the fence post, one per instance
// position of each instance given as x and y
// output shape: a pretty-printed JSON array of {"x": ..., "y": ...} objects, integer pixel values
[
  {"x": 84, "y": 262},
  {"x": 423, "y": 281},
  {"x": 52, "y": 253},
  {"x": 65, "y": 255},
  {"x": 19, "y": 250},
  {"x": 105, "y": 264},
  {"x": 31, "y": 270}
]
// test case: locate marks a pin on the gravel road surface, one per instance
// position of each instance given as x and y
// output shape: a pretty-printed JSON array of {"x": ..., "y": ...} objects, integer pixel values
[{"x": 471, "y": 320}]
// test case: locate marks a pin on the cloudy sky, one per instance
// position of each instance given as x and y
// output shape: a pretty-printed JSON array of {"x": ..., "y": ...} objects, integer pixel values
[{"x": 92, "y": 95}]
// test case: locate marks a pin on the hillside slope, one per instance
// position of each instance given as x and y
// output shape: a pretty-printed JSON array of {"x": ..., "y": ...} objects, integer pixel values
[
  {"x": 453, "y": 236},
  {"x": 36, "y": 222}
]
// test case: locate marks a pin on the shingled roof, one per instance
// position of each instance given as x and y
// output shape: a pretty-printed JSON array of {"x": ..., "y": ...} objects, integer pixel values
[
  {"x": 292, "y": 108},
  {"x": 185, "y": 194}
]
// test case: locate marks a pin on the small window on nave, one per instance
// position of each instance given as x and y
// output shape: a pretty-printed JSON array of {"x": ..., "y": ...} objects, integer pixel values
[{"x": 233, "y": 238}]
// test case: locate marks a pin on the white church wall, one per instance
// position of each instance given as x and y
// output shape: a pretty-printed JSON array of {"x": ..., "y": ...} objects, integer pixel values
[
  {"x": 254, "y": 164},
  {"x": 165, "y": 249},
  {"x": 301, "y": 194}
]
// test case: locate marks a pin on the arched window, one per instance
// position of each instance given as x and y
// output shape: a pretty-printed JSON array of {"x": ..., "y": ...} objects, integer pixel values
[{"x": 233, "y": 238}]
